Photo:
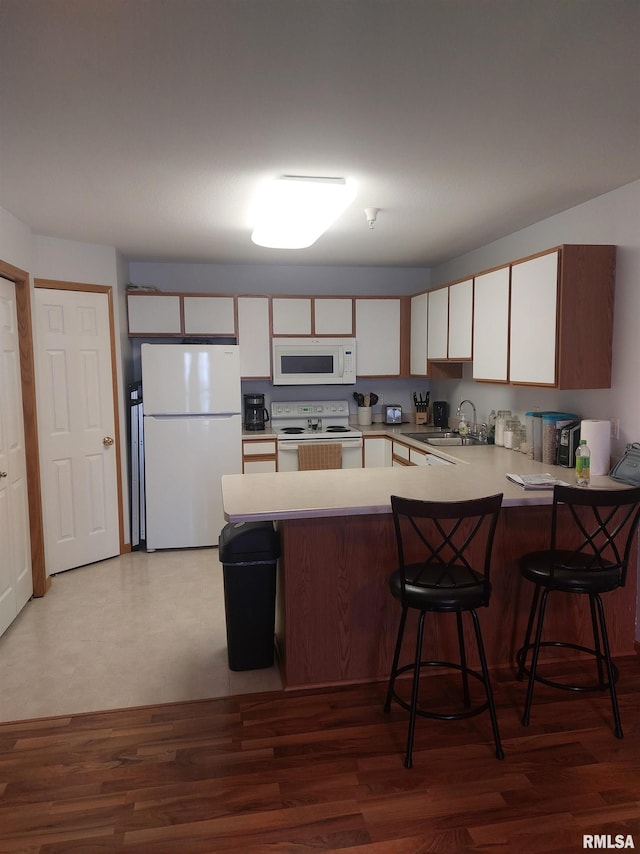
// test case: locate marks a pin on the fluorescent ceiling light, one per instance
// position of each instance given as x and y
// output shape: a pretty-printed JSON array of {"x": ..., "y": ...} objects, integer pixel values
[{"x": 292, "y": 212}]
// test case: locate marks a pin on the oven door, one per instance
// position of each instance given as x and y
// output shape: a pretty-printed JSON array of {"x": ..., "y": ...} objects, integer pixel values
[{"x": 288, "y": 452}]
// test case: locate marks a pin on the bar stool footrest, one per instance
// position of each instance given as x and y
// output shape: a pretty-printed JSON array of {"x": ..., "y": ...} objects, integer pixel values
[
  {"x": 454, "y": 716},
  {"x": 521, "y": 657}
]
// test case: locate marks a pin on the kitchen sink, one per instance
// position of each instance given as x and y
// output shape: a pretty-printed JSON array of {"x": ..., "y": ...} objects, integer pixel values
[{"x": 443, "y": 437}]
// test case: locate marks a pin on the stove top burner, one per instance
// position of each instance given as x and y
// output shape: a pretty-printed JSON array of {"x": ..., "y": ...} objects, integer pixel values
[
  {"x": 337, "y": 428},
  {"x": 293, "y": 430}
]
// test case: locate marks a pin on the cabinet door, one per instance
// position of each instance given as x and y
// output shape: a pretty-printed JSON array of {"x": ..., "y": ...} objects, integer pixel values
[
  {"x": 491, "y": 325},
  {"x": 291, "y": 316},
  {"x": 378, "y": 337},
  {"x": 534, "y": 300},
  {"x": 209, "y": 315},
  {"x": 419, "y": 313},
  {"x": 418, "y": 458},
  {"x": 259, "y": 456},
  {"x": 154, "y": 314},
  {"x": 376, "y": 451},
  {"x": 461, "y": 320},
  {"x": 438, "y": 324},
  {"x": 333, "y": 316},
  {"x": 400, "y": 454},
  {"x": 253, "y": 337}
]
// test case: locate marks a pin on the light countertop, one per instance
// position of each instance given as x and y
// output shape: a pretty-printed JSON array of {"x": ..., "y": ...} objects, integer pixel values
[{"x": 478, "y": 470}]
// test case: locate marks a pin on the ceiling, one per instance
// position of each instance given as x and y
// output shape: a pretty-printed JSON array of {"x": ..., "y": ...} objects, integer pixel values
[{"x": 148, "y": 124}]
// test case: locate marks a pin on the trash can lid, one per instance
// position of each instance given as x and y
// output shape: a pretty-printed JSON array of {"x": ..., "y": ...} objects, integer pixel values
[{"x": 244, "y": 542}]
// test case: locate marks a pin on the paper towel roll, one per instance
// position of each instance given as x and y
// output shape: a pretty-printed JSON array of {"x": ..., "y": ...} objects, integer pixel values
[{"x": 598, "y": 435}]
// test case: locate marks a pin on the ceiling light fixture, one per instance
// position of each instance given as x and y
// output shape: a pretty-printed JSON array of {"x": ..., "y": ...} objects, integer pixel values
[{"x": 292, "y": 212}]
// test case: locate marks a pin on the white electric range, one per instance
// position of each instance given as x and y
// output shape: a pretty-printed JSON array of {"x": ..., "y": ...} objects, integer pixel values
[{"x": 320, "y": 421}]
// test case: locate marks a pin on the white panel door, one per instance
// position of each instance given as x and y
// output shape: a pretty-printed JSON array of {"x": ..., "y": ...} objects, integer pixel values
[
  {"x": 16, "y": 584},
  {"x": 77, "y": 428}
]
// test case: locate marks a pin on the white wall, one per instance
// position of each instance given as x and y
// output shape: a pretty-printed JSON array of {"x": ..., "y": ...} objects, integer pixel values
[
  {"x": 611, "y": 218},
  {"x": 274, "y": 279},
  {"x": 16, "y": 242}
]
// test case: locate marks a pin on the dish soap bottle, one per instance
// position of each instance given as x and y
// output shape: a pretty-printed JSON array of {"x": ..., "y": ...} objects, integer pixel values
[
  {"x": 583, "y": 464},
  {"x": 463, "y": 427}
]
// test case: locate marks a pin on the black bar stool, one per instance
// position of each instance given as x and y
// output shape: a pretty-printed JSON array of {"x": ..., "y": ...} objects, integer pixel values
[
  {"x": 438, "y": 541},
  {"x": 601, "y": 523}
]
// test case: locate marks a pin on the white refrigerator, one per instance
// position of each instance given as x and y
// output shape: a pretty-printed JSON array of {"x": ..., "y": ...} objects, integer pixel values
[{"x": 192, "y": 436}]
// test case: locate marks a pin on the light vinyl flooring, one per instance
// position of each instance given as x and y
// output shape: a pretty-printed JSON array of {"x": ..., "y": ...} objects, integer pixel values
[{"x": 135, "y": 630}]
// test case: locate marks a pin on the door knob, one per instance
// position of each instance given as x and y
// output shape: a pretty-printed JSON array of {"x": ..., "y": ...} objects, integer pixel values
[
  {"x": 3, "y": 474},
  {"x": 107, "y": 441}
]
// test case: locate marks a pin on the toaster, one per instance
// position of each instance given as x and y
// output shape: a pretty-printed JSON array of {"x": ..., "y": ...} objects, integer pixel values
[{"x": 393, "y": 413}]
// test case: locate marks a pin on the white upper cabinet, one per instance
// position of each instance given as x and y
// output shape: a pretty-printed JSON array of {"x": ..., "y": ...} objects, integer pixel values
[
  {"x": 291, "y": 315},
  {"x": 174, "y": 314},
  {"x": 333, "y": 316},
  {"x": 209, "y": 315},
  {"x": 491, "y": 325},
  {"x": 378, "y": 337},
  {"x": 562, "y": 317},
  {"x": 438, "y": 324},
  {"x": 461, "y": 320},
  {"x": 534, "y": 299},
  {"x": 253, "y": 337},
  {"x": 154, "y": 314},
  {"x": 418, "y": 354}
]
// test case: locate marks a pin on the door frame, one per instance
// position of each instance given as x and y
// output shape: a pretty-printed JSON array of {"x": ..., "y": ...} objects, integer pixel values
[
  {"x": 54, "y": 284},
  {"x": 20, "y": 279}
]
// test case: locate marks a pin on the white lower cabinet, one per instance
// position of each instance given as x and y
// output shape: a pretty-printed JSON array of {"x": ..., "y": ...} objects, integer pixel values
[
  {"x": 401, "y": 454},
  {"x": 377, "y": 451},
  {"x": 418, "y": 458},
  {"x": 259, "y": 455}
]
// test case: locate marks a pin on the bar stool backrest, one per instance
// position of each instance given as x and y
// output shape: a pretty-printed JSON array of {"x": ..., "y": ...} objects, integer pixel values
[
  {"x": 597, "y": 530},
  {"x": 453, "y": 537}
]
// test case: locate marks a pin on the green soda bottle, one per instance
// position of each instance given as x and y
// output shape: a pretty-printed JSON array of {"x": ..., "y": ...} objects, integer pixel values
[{"x": 583, "y": 464}]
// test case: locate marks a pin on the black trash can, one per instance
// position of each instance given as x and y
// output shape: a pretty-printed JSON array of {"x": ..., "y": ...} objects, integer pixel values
[{"x": 249, "y": 553}]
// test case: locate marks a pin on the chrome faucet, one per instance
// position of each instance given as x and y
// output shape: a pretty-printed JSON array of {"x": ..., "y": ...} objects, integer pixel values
[{"x": 473, "y": 427}]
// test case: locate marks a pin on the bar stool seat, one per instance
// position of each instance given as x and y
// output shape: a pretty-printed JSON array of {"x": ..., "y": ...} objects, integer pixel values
[
  {"x": 602, "y": 523},
  {"x": 454, "y": 541}
]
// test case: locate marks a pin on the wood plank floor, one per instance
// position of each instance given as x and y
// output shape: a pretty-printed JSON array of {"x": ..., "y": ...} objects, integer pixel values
[{"x": 322, "y": 771}]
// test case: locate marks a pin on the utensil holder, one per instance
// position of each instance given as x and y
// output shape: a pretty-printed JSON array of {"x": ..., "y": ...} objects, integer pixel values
[{"x": 364, "y": 416}]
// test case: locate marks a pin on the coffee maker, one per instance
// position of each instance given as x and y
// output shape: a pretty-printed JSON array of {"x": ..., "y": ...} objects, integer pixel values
[
  {"x": 255, "y": 415},
  {"x": 440, "y": 414}
]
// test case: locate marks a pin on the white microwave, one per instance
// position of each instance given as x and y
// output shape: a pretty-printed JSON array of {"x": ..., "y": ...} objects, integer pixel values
[{"x": 314, "y": 361}]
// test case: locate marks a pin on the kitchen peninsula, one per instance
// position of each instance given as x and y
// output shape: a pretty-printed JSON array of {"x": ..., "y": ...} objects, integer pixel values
[{"x": 336, "y": 620}]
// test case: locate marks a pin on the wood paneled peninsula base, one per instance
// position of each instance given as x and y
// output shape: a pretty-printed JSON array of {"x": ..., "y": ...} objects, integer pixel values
[{"x": 336, "y": 621}]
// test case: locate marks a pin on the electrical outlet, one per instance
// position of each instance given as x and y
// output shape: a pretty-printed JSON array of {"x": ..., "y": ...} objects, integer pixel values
[{"x": 615, "y": 428}]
